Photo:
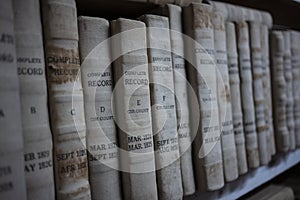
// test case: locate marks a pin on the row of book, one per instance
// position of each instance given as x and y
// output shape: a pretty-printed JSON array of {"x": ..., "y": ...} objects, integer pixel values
[{"x": 135, "y": 109}]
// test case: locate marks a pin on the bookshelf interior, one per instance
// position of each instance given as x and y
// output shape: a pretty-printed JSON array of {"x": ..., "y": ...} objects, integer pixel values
[
  {"x": 284, "y": 13},
  {"x": 258, "y": 57}
]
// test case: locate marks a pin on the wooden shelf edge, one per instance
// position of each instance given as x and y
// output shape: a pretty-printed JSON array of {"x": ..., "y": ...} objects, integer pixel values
[{"x": 253, "y": 179}]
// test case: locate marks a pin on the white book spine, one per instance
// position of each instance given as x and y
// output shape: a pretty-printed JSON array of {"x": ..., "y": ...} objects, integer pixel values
[
  {"x": 181, "y": 89},
  {"x": 65, "y": 99},
  {"x": 181, "y": 93},
  {"x": 164, "y": 120},
  {"x": 202, "y": 76},
  {"x": 258, "y": 91},
  {"x": 295, "y": 50},
  {"x": 224, "y": 99},
  {"x": 33, "y": 90},
  {"x": 234, "y": 80},
  {"x": 97, "y": 84},
  {"x": 279, "y": 91},
  {"x": 267, "y": 87},
  {"x": 247, "y": 94},
  {"x": 12, "y": 178},
  {"x": 133, "y": 109},
  {"x": 287, "y": 65}
]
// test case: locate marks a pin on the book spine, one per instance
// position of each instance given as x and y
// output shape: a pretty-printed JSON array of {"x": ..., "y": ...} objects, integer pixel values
[
  {"x": 267, "y": 87},
  {"x": 295, "y": 50},
  {"x": 164, "y": 120},
  {"x": 33, "y": 90},
  {"x": 12, "y": 178},
  {"x": 224, "y": 99},
  {"x": 202, "y": 75},
  {"x": 234, "y": 80},
  {"x": 287, "y": 66},
  {"x": 132, "y": 105},
  {"x": 258, "y": 91},
  {"x": 181, "y": 93},
  {"x": 247, "y": 94},
  {"x": 97, "y": 84},
  {"x": 279, "y": 91},
  {"x": 65, "y": 99}
]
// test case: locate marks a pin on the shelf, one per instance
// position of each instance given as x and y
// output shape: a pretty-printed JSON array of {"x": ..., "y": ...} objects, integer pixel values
[{"x": 252, "y": 179}]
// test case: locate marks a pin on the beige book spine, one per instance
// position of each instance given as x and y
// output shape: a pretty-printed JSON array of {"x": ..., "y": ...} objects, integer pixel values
[
  {"x": 234, "y": 80},
  {"x": 258, "y": 91},
  {"x": 65, "y": 99},
  {"x": 265, "y": 91},
  {"x": 173, "y": 12},
  {"x": 33, "y": 90},
  {"x": 224, "y": 99},
  {"x": 267, "y": 87},
  {"x": 133, "y": 109},
  {"x": 97, "y": 85},
  {"x": 202, "y": 76},
  {"x": 164, "y": 120},
  {"x": 287, "y": 66},
  {"x": 12, "y": 179},
  {"x": 279, "y": 91},
  {"x": 295, "y": 50},
  {"x": 181, "y": 92},
  {"x": 247, "y": 94}
]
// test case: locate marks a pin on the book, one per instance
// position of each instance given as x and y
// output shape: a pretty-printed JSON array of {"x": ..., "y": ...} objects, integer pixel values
[
  {"x": 234, "y": 80},
  {"x": 181, "y": 89},
  {"x": 132, "y": 105},
  {"x": 295, "y": 52},
  {"x": 264, "y": 32},
  {"x": 97, "y": 84},
  {"x": 34, "y": 105},
  {"x": 287, "y": 67},
  {"x": 224, "y": 98},
  {"x": 267, "y": 87},
  {"x": 12, "y": 179},
  {"x": 65, "y": 99},
  {"x": 164, "y": 120},
  {"x": 201, "y": 70},
  {"x": 273, "y": 192},
  {"x": 279, "y": 91},
  {"x": 258, "y": 91},
  {"x": 247, "y": 94}
]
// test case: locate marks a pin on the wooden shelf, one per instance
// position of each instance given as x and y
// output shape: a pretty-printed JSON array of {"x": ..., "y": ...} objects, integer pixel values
[{"x": 252, "y": 179}]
